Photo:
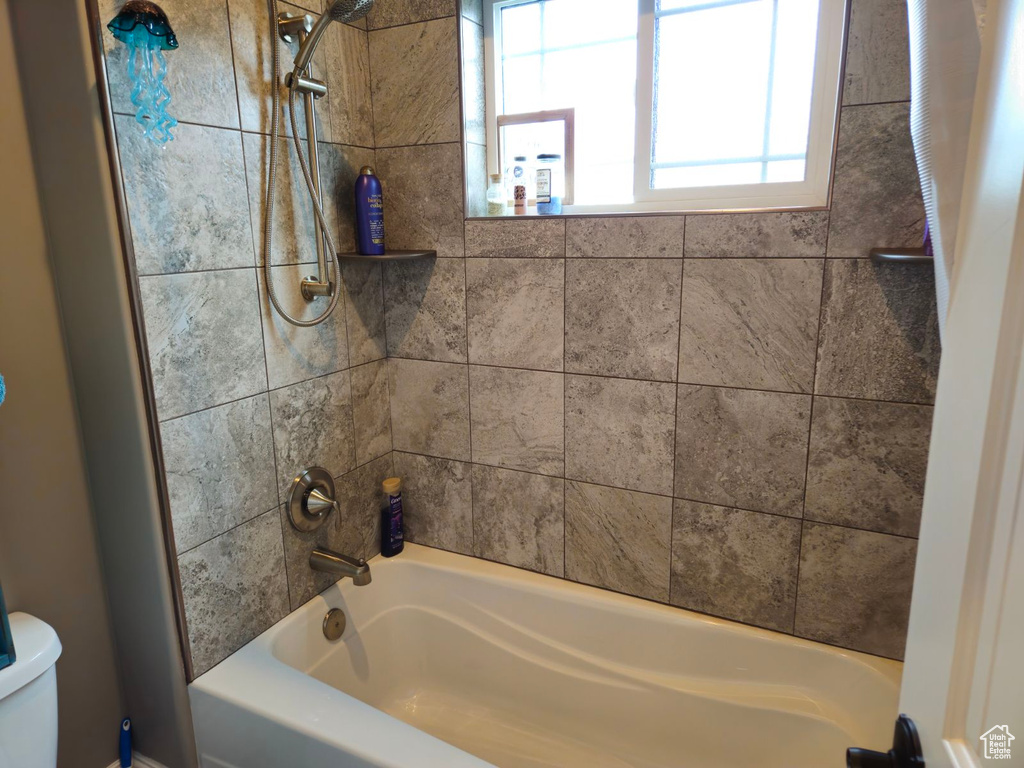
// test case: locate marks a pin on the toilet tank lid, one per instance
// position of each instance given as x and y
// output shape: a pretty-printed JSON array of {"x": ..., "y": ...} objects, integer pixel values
[{"x": 37, "y": 649}]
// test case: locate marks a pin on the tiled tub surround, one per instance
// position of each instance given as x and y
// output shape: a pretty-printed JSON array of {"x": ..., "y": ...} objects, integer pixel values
[
  {"x": 244, "y": 400},
  {"x": 724, "y": 412}
]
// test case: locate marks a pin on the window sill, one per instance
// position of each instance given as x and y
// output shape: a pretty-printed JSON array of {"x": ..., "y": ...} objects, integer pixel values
[{"x": 684, "y": 208}]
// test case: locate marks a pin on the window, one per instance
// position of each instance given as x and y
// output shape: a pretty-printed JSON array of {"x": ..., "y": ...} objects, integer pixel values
[{"x": 679, "y": 104}]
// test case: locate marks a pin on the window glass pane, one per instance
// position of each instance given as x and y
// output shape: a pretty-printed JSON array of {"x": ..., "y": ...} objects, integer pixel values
[
  {"x": 707, "y": 175},
  {"x": 794, "y": 76},
  {"x": 733, "y": 84},
  {"x": 579, "y": 54},
  {"x": 786, "y": 170},
  {"x": 709, "y": 102}
]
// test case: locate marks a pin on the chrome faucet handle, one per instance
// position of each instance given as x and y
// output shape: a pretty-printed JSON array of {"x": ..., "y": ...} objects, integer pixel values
[
  {"x": 318, "y": 504},
  {"x": 311, "y": 499}
]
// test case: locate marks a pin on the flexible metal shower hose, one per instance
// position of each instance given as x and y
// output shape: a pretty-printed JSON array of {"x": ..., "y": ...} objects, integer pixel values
[{"x": 268, "y": 229}]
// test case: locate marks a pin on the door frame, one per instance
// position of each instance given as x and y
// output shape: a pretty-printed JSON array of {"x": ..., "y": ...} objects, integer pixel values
[{"x": 969, "y": 577}]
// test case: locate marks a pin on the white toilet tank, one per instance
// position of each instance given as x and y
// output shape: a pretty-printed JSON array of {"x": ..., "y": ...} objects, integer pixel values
[{"x": 28, "y": 696}]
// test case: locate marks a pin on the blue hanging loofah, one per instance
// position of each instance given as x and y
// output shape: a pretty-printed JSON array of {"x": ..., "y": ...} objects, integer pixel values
[
  {"x": 144, "y": 28},
  {"x": 3, "y": 390}
]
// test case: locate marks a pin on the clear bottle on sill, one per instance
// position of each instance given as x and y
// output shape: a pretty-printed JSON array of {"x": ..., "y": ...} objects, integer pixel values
[{"x": 497, "y": 197}]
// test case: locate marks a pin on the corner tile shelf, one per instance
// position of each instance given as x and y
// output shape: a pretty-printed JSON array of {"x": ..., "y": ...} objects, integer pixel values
[{"x": 390, "y": 256}]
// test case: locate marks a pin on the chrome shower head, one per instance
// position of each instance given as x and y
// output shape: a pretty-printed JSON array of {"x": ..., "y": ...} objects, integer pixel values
[{"x": 345, "y": 11}]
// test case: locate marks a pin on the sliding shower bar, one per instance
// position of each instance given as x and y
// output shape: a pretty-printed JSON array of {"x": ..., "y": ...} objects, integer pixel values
[{"x": 297, "y": 28}]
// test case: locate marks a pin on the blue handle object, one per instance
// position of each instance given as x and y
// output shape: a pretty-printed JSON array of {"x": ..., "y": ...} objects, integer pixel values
[
  {"x": 7, "y": 656},
  {"x": 126, "y": 743}
]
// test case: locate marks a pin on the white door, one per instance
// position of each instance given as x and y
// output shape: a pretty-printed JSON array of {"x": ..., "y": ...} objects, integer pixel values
[{"x": 964, "y": 673}]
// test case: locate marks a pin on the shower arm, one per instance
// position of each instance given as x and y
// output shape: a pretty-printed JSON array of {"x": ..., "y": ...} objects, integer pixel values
[{"x": 301, "y": 79}]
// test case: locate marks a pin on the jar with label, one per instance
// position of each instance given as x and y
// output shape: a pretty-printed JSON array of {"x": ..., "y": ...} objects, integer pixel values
[
  {"x": 550, "y": 183},
  {"x": 497, "y": 198}
]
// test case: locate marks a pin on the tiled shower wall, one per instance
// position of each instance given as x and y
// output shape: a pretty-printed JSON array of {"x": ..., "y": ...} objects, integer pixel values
[
  {"x": 245, "y": 401},
  {"x": 728, "y": 413}
]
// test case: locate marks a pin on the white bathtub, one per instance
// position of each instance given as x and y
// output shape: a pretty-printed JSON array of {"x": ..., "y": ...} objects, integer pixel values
[{"x": 453, "y": 662}]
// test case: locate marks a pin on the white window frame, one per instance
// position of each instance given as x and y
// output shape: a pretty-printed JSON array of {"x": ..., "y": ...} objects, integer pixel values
[{"x": 812, "y": 192}]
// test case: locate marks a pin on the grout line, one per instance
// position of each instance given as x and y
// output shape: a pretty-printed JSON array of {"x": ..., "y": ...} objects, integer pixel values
[
  {"x": 234, "y": 67},
  {"x": 569, "y": 479},
  {"x": 266, "y": 391},
  {"x": 411, "y": 23},
  {"x": 666, "y": 381},
  {"x": 235, "y": 527},
  {"x": 810, "y": 421},
  {"x": 675, "y": 421},
  {"x": 874, "y": 103},
  {"x": 565, "y": 387},
  {"x": 285, "y": 132},
  {"x": 424, "y": 145},
  {"x": 369, "y": 75}
]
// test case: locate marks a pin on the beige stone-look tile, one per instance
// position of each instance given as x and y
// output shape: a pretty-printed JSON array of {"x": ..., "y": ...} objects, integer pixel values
[
  {"x": 254, "y": 69},
  {"x": 619, "y": 237},
  {"x": 437, "y": 501},
  {"x": 204, "y": 340},
  {"x": 430, "y": 408},
  {"x": 879, "y": 332},
  {"x": 867, "y": 464},
  {"x": 855, "y": 589},
  {"x": 425, "y": 309},
  {"x": 618, "y": 539},
  {"x": 313, "y": 427},
  {"x": 234, "y": 587},
  {"x": 742, "y": 448},
  {"x": 516, "y": 312},
  {"x": 516, "y": 238},
  {"x": 347, "y": 58},
  {"x": 219, "y": 465},
  {"x": 750, "y": 323},
  {"x": 389, "y": 13},
  {"x": 187, "y": 202},
  {"x": 620, "y": 432},
  {"x": 364, "y": 305},
  {"x": 473, "y": 81},
  {"x": 415, "y": 83},
  {"x": 622, "y": 317},
  {"x": 199, "y": 73},
  {"x": 877, "y": 53},
  {"x": 295, "y": 353},
  {"x": 354, "y": 532},
  {"x": 423, "y": 207},
  {"x": 736, "y": 564},
  {"x": 876, "y": 193},
  {"x": 798, "y": 234},
  {"x": 518, "y": 419},
  {"x": 371, "y": 411},
  {"x": 518, "y": 519}
]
